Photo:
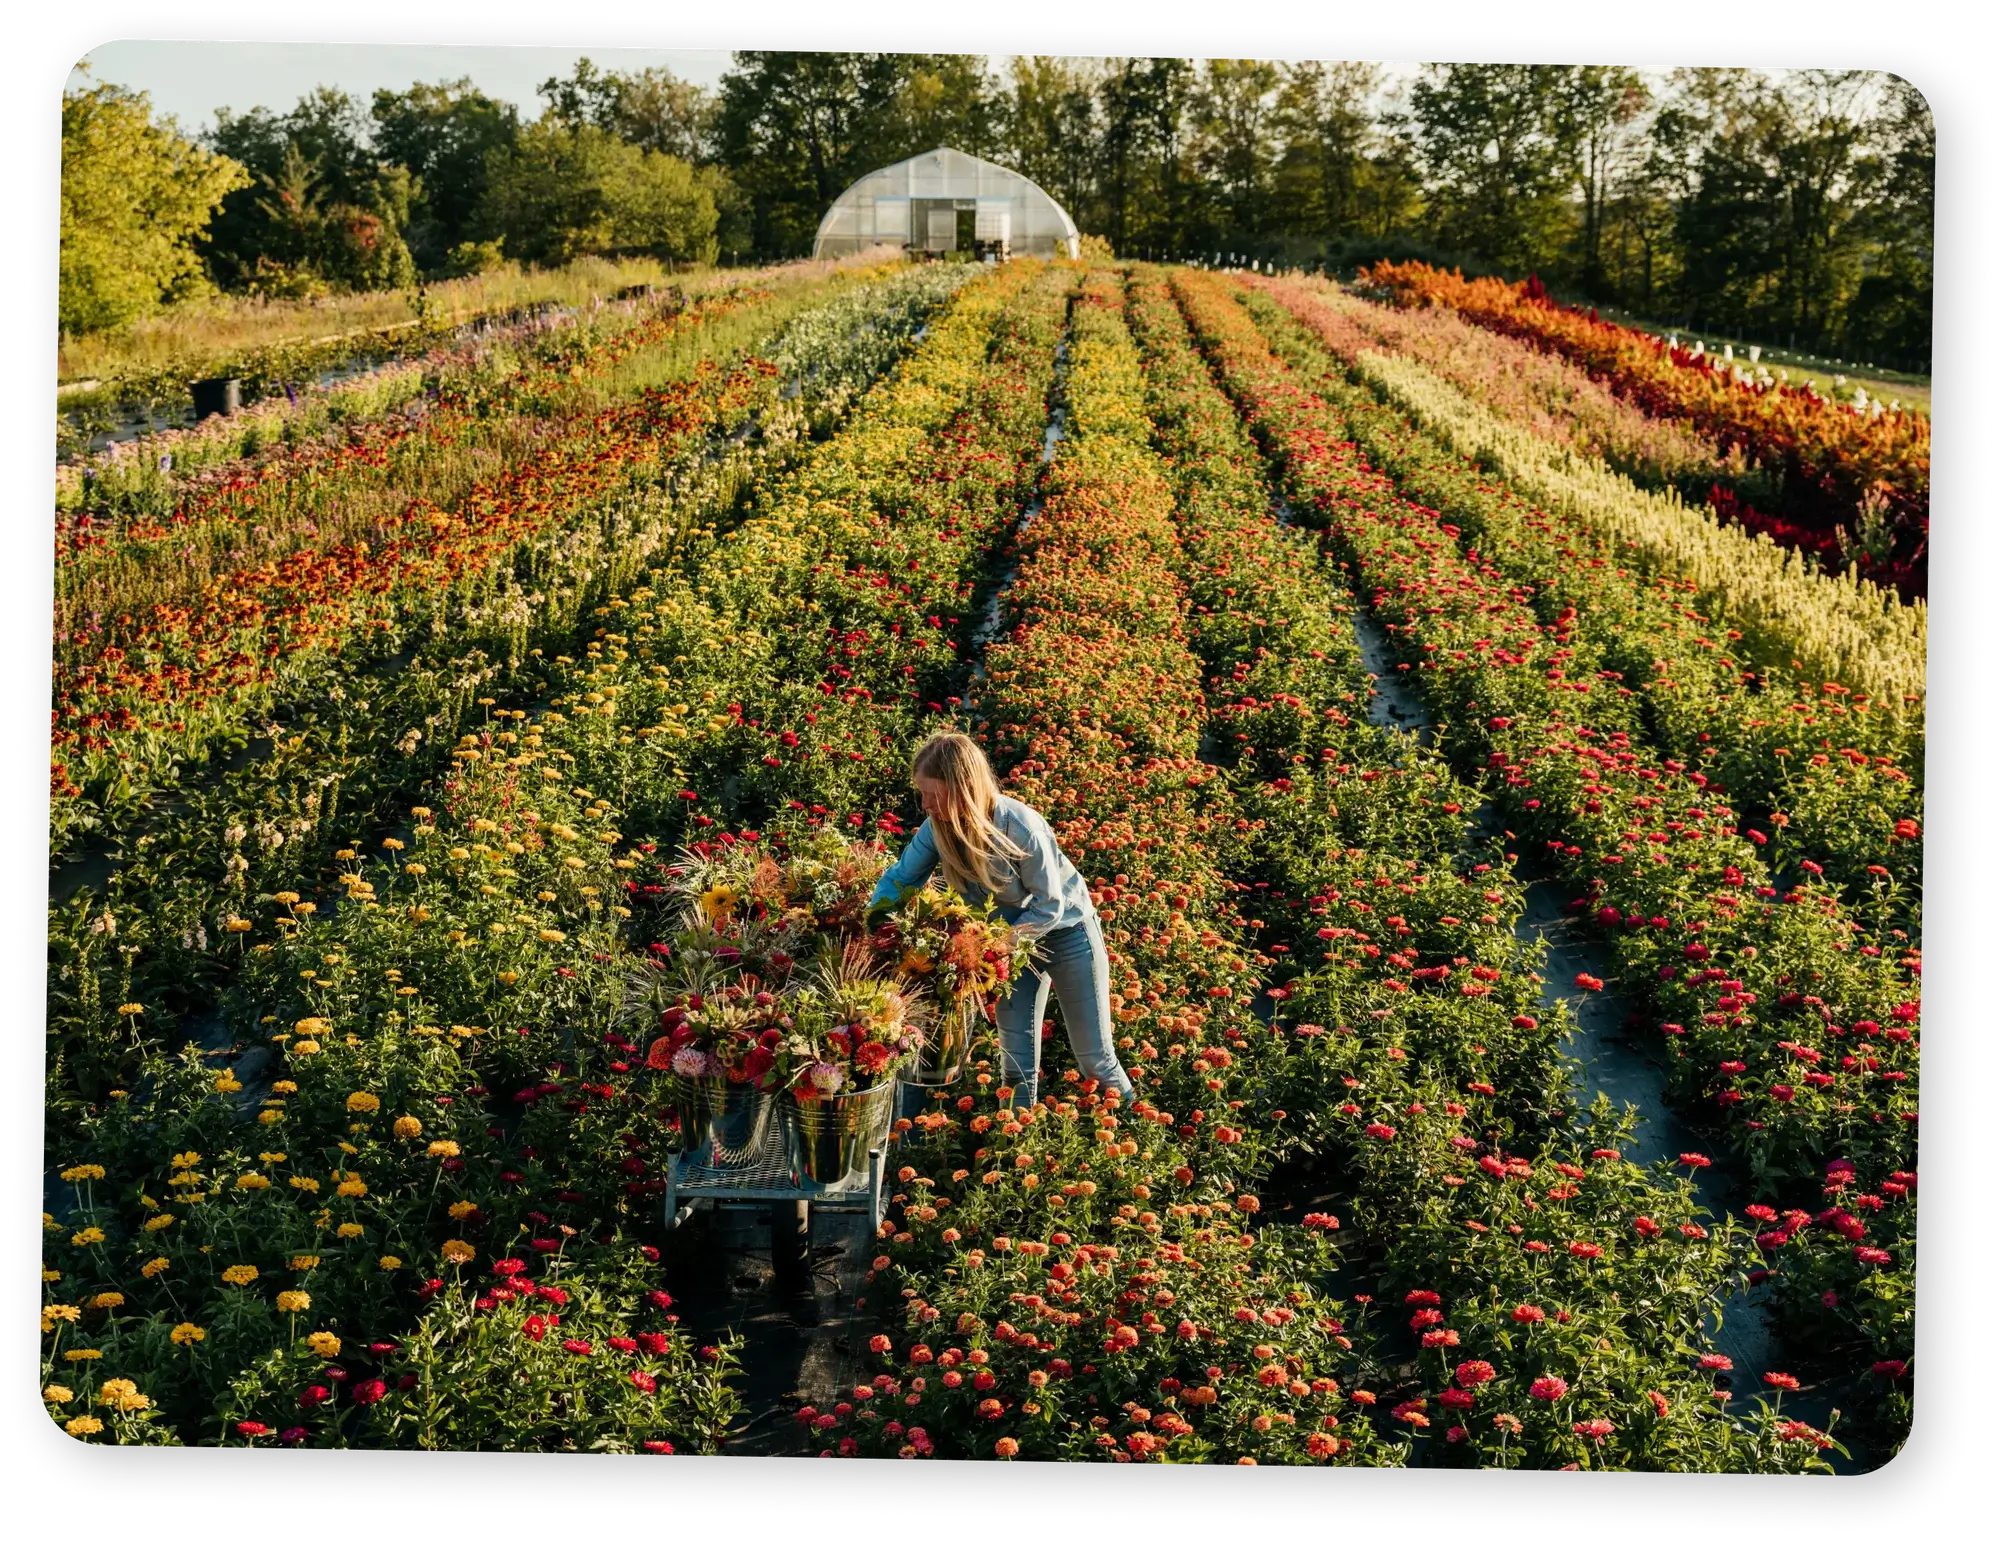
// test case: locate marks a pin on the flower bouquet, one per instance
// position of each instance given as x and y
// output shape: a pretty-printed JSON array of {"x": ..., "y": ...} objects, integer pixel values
[
  {"x": 721, "y": 1023},
  {"x": 852, "y": 1032},
  {"x": 818, "y": 884},
  {"x": 964, "y": 957}
]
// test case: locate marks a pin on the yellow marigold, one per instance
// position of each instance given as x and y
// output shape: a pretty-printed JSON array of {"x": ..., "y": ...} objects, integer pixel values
[
  {"x": 456, "y": 1251},
  {"x": 271, "y": 1116},
  {"x": 284, "y": 1088},
  {"x": 271, "y": 1157},
  {"x": 185, "y": 1159},
  {"x": 82, "y": 1173},
  {"x": 442, "y": 1148},
  {"x": 236, "y": 923},
  {"x": 159, "y": 1222},
  {"x": 82, "y": 1426},
  {"x": 109, "y": 1300},
  {"x": 131, "y": 1009},
  {"x": 306, "y": 1184},
  {"x": 352, "y": 1188},
  {"x": 89, "y": 1236},
  {"x": 60, "y": 1313},
  {"x": 508, "y": 976},
  {"x": 462, "y": 1208},
  {"x": 363, "y": 1102},
  {"x": 57, "y": 1394},
  {"x": 303, "y": 1264},
  {"x": 325, "y": 1344},
  {"x": 121, "y": 1395},
  {"x": 51, "y": 1275},
  {"x": 407, "y": 1128},
  {"x": 391, "y": 1264},
  {"x": 305, "y": 1046},
  {"x": 348, "y": 1231},
  {"x": 225, "y": 1082},
  {"x": 294, "y": 1300},
  {"x": 187, "y": 1333},
  {"x": 253, "y": 1181},
  {"x": 285, "y": 896},
  {"x": 550, "y": 934},
  {"x": 239, "y": 1273},
  {"x": 79, "y": 1355},
  {"x": 152, "y": 1268},
  {"x": 312, "y": 1027}
]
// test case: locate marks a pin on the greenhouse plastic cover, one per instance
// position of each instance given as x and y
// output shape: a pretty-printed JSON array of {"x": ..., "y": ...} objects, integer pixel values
[{"x": 876, "y": 209}]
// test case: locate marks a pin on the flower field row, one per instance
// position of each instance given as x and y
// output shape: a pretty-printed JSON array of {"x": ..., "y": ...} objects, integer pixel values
[
  {"x": 1519, "y": 1198},
  {"x": 1102, "y": 622},
  {"x": 359, "y": 1135},
  {"x": 448, "y": 1090},
  {"x": 1541, "y": 392},
  {"x": 134, "y": 711},
  {"x": 1864, "y": 473},
  {"x": 355, "y": 759},
  {"x": 1756, "y": 993},
  {"x": 1850, "y": 804}
]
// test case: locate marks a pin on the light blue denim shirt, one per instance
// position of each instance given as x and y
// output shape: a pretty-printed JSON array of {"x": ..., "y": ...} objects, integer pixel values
[{"x": 1043, "y": 891}]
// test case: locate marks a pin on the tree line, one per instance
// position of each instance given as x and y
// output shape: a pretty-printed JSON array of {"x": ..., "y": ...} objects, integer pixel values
[{"x": 1793, "y": 208}]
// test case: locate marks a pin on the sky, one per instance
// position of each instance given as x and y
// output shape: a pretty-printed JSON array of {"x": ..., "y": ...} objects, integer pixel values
[{"x": 190, "y": 80}]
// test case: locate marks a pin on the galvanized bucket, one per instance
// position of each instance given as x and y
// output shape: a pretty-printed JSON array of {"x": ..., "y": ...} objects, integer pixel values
[
  {"x": 946, "y": 1047},
  {"x": 728, "y": 1122},
  {"x": 830, "y": 1136}
]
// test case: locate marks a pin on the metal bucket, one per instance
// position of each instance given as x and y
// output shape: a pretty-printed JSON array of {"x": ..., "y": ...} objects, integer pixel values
[
  {"x": 830, "y": 1136},
  {"x": 688, "y": 1100},
  {"x": 728, "y": 1121},
  {"x": 947, "y": 1046}
]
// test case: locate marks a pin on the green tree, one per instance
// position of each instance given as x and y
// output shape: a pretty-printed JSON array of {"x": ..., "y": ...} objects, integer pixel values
[
  {"x": 443, "y": 134},
  {"x": 564, "y": 191},
  {"x": 1049, "y": 126},
  {"x": 1891, "y": 308},
  {"x": 652, "y": 108},
  {"x": 136, "y": 199},
  {"x": 1597, "y": 109},
  {"x": 796, "y": 128},
  {"x": 1236, "y": 113},
  {"x": 1496, "y": 145},
  {"x": 322, "y": 211}
]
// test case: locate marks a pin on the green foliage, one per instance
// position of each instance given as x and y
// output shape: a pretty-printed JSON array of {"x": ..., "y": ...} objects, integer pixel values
[
  {"x": 443, "y": 133},
  {"x": 135, "y": 196},
  {"x": 564, "y": 191}
]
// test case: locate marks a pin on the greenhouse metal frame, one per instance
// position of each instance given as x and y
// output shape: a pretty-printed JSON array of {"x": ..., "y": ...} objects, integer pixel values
[{"x": 943, "y": 202}]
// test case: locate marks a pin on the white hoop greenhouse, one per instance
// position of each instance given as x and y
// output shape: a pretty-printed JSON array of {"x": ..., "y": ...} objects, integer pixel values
[{"x": 947, "y": 201}]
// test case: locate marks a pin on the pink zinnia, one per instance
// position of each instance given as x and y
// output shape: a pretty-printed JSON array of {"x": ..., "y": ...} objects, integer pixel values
[{"x": 1549, "y": 1388}]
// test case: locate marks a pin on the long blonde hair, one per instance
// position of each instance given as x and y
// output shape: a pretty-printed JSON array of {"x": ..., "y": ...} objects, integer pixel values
[{"x": 971, "y": 848}]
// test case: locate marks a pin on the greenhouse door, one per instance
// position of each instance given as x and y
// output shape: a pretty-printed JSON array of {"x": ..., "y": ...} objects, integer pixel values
[{"x": 941, "y": 230}]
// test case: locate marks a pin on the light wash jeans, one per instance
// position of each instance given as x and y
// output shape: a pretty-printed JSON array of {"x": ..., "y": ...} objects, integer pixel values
[{"x": 1073, "y": 961}]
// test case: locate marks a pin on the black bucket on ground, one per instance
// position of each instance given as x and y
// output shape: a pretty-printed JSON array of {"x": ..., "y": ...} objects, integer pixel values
[{"x": 221, "y": 397}]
